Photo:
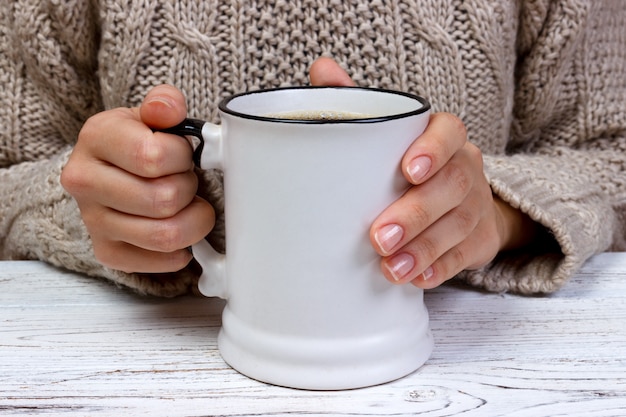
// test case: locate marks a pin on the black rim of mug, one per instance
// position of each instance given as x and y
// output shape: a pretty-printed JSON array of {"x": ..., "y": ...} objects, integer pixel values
[{"x": 425, "y": 106}]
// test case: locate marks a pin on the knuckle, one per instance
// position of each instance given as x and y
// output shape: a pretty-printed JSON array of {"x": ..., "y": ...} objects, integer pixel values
[
  {"x": 91, "y": 129},
  {"x": 451, "y": 263},
  {"x": 457, "y": 260},
  {"x": 165, "y": 200},
  {"x": 475, "y": 154},
  {"x": 73, "y": 180},
  {"x": 96, "y": 124},
  {"x": 457, "y": 124},
  {"x": 465, "y": 219},
  {"x": 167, "y": 236},
  {"x": 150, "y": 155},
  {"x": 454, "y": 127},
  {"x": 474, "y": 151},
  {"x": 177, "y": 260},
  {"x": 419, "y": 216},
  {"x": 429, "y": 249},
  {"x": 458, "y": 178}
]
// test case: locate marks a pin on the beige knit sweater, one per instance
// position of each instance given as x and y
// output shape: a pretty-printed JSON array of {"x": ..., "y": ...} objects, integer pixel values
[{"x": 541, "y": 86}]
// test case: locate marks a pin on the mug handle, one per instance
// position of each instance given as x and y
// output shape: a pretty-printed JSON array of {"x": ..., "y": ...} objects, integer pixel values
[{"x": 207, "y": 154}]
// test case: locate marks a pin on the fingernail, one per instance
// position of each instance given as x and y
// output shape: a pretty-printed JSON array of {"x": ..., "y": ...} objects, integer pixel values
[
  {"x": 428, "y": 273},
  {"x": 162, "y": 100},
  {"x": 400, "y": 265},
  {"x": 387, "y": 237},
  {"x": 418, "y": 168}
]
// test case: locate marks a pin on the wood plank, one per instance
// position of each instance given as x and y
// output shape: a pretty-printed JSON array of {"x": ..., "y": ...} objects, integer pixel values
[{"x": 73, "y": 345}]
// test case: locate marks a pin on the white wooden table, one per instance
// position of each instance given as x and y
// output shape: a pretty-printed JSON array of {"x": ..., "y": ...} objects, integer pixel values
[{"x": 72, "y": 345}]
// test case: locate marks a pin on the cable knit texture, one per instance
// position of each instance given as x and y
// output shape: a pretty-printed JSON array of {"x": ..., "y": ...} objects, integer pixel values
[{"x": 540, "y": 85}]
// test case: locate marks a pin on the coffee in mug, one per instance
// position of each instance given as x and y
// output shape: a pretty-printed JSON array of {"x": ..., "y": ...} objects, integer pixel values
[{"x": 318, "y": 115}]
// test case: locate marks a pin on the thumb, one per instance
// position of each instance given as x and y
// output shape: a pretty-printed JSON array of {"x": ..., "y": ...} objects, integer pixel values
[
  {"x": 164, "y": 106},
  {"x": 326, "y": 72}
]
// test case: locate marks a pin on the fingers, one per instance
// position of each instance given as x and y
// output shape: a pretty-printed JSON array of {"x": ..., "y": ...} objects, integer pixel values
[
  {"x": 164, "y": 106},
  {"x": 437, "y": 228},
  {"x": 156, "y": 198},
  {"x": 128, "y": 258},
  {"x": 463, "y": 256},
  {"x": 124, "y": 137},
  {"x": 446, "y": 221},
  {"x": 463, "y": 238},
  {"x": 143, "y": 244},
  {"x": 326, "y": 72},
  {"x": 136, "y": 189},
  {"x": 443, "y": 137},
  {"x": 120, "y": 163},
  {"x": 420, "y": 207},
  {"x": 117, "y": 137},
  {"x": 444, "y": 184}
]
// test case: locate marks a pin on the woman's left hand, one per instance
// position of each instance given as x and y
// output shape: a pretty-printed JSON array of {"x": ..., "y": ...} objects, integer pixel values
[{"x": 448, "y": 220}]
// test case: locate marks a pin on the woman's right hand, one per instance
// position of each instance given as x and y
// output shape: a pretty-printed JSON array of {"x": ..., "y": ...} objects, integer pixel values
[{"x": 136, "y": 188}]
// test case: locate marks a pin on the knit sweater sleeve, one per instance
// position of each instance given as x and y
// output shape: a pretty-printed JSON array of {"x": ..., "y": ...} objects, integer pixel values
[
  {"x": 565, "y": 163},
  {"x": 49, "y": 88}
]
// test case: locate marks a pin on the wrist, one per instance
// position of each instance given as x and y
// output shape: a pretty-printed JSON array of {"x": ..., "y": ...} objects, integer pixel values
[{"x": 516, "y": 229}]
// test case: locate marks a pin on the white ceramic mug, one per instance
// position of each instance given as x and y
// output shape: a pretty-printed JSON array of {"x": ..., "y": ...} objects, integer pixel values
[{"x": 308, "y": 306}]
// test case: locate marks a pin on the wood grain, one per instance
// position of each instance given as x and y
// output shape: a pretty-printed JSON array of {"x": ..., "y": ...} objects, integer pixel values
[{"x": 73, "y": 345}]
